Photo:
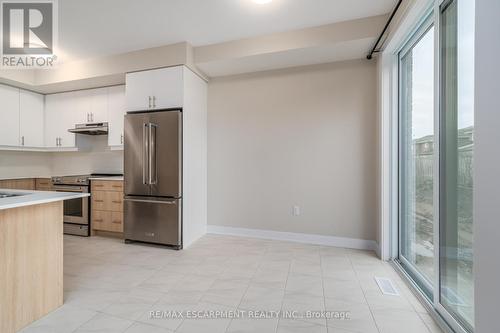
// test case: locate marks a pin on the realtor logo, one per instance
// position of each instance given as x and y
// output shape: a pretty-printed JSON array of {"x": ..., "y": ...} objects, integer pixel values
[{"x": 28, "y": 33}]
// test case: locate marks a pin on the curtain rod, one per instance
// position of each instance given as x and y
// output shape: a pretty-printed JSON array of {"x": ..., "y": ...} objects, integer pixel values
[{"x": 374, "y": 49}]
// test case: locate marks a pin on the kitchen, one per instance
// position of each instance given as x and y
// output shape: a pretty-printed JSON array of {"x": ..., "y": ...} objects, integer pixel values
[
  {"x": 43, "y": 124},
  {"x": 246, "y": 168},
  {"x": 161, "y": 147}
]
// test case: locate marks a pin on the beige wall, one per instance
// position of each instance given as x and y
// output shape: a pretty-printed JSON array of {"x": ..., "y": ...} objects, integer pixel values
[{"x": 304, "y": 136}]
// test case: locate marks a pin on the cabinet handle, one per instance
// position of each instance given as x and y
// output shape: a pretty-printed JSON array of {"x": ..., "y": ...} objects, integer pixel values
[
  {"x": 99, "y": 200},
  {"x": 116, "y": 202},
  {"x": 121, "y": 139},
  {"x": 22, "y": 140},
  {"x": 117, "y": 222},
  {"x": 154, "y": 101},
  {"x": 60, "y": 141},
  {"x": 92, "y": 116},
  {"x": 149, "y": 102},
  {"x": 98, "y": 220},
  {"x": 88, "y": 119}
]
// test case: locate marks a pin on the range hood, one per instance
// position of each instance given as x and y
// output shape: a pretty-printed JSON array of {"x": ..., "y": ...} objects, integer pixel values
[{"x": 90, "y": 129}]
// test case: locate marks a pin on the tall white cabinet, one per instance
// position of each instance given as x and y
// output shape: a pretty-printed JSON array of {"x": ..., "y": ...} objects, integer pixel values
[{"x": 179, "y": 87}]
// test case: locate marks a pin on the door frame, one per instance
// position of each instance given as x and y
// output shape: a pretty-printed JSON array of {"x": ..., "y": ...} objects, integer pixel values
[{"x": 414, "y": 16}]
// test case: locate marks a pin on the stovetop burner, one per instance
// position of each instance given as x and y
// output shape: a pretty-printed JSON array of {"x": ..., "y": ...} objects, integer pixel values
[{"x": 79, "y": 180}]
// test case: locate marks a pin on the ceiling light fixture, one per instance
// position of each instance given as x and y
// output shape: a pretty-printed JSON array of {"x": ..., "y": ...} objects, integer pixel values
[{"x": 262, "y": 2}]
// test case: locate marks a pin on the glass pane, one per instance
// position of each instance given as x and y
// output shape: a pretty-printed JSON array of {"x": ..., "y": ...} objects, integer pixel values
[
  {"x": 73, "y": 207},
  {"x": 457, "y": 140},
  {"x": 417, "y": 161}
]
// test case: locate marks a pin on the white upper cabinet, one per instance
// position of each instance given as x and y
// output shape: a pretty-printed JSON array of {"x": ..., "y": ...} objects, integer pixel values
[
  {"x": 9, "y": 116},
  {"x": 98, "y": 105},
  {"x": 80, "y": 107},
  {"x": 89, "y": 106},
  {"x": 62, "y": 112},
  {"x": 31, "y": 119},
  {"x": 138, "y": 91},
  {"x": 155, "y": 89},
  {"x": 116, "y": 114},
  {"x": 168, "y": 89}
]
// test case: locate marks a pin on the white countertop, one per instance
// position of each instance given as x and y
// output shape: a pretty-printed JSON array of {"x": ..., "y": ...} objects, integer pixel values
[
  {"x": 30, "y": 198},
  {"x": 107, "y": 178}
]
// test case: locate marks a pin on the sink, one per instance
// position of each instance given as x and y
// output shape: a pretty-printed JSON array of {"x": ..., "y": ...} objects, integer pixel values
[{"x": 10, "y": 195}]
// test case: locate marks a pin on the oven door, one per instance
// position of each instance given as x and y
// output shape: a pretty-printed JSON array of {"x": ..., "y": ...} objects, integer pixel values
[{"x": 75, "y": 210}]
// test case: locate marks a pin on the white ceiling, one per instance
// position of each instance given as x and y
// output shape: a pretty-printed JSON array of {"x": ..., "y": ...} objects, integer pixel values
[{"x": 93, "y": 28}]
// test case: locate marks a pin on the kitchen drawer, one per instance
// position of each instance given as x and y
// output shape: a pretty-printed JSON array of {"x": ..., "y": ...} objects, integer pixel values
[
  {"x": 107, "y": 185},
  {"x": 114, "y": 201},
  {"x": 108, "y": 201},
  {"x": 107, "y": 221},
  {"x": 100, "y": 219},
  {"x": 43, "y": 184},
  {"x": 98, "y": 200},
  {"x": 116, "y": 224}
]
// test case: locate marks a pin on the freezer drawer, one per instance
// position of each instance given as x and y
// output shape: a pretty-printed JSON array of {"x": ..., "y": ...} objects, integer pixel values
[{"x": 153, "y": 220}]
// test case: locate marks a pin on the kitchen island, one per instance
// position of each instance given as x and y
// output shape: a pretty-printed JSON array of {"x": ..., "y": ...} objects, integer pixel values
[{"x": 31, "y": 255}]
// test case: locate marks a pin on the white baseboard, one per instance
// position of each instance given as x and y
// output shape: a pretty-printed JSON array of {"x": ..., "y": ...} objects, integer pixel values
[
  {"x": 350, "y": 243},
  {"x": 377, "y": 249}
]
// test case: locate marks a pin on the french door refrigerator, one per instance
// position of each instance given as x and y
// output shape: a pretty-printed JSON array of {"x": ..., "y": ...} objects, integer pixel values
[{"x": 153, "y": 177}]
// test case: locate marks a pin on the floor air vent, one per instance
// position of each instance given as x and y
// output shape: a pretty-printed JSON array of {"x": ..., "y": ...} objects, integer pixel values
[{"x": 386, "y": 286}]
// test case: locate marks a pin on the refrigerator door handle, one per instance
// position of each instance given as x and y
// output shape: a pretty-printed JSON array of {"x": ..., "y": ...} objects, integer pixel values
[
  {"x": 152, "y": 154},
  {"x": 172, "y": 202},
  {"x": 145, "y": 154}
]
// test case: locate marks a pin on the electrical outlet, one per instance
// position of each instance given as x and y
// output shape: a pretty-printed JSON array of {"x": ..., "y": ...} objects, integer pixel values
[{"x": 296, "y": 210}]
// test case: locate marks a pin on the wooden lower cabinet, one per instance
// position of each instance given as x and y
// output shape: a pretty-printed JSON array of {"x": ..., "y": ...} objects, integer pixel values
[
  {"x": 31, "y": 184},
  {"x": 18, "y": 184},
  {"x": 107, "y": 206}
]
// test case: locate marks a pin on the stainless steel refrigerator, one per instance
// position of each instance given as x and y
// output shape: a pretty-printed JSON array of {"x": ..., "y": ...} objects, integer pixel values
[{"x": 153, "y": 177}]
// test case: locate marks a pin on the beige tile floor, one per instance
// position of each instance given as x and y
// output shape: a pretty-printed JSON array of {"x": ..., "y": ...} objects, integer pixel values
[{"x": 112, "y": 287}]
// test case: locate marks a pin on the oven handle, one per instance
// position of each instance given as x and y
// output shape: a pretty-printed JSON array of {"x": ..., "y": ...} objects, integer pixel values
[{"x": 70, "y": 189}]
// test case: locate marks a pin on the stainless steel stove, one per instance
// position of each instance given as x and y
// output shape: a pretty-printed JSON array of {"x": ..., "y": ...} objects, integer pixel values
[{"x": 76, "y": 211}]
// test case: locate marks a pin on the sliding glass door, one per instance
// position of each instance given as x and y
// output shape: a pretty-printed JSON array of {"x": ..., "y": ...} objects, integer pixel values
[
  {"x": 456, "y": 293},
  {"x": 436, "y": 141},
  {"x": 417, "y": 158}
]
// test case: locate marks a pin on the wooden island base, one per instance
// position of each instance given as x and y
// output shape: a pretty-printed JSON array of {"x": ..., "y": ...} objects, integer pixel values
[{"x": 31, "y": 264}]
